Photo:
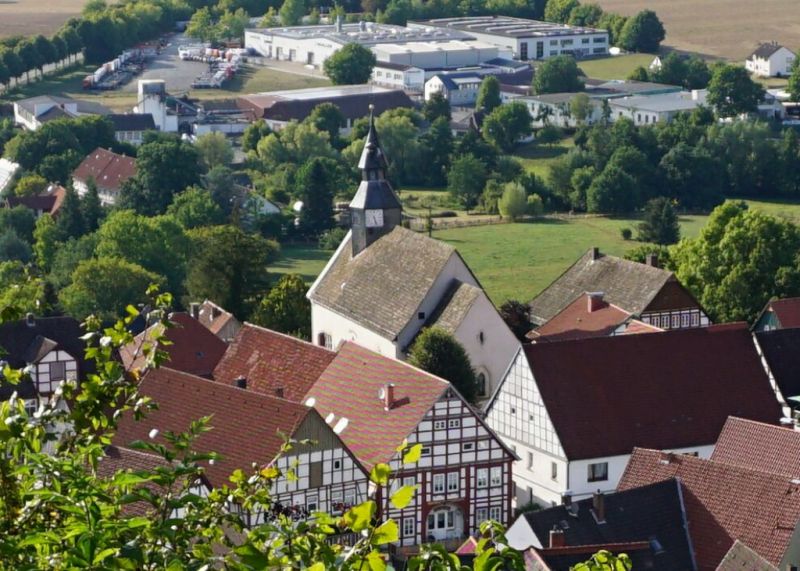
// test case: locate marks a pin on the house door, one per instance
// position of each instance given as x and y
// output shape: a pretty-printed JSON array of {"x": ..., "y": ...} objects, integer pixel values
[{"x": 445, "y": 523}]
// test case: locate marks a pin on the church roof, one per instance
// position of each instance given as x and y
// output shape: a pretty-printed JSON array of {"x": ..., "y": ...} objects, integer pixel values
[
  {"x": 455, "y": 306},
  {"x": 375, "y": 195},
  {"x": 372, "y": 157},
  {"x": 382, "y": 287}
]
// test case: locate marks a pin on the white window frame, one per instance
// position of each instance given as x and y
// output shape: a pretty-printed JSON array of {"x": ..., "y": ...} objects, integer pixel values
[
  {"x": 454, "y": 423},
  {"x": 439, "y": 485},
  {"x": 496, "y": 513},
  {"x": 496, "y": 476},
  {"x": 439, "y": 424},
  {"x": 409, "y": 527},
  {"x": 453, "y": 482},
  {"x": 597, "y": 472},
  {"x": 312, "y": 500},
  {"x": 482, "y": 478}
]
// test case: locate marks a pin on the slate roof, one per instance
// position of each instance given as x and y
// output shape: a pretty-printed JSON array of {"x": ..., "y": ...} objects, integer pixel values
[
  {"x": 759, "y": 446},
  {"x": 787, "y": 311},
  {"x": 765, "y": 50},
  {"x": 667, "y": 390},
  {"x": 19, "y": 341},
  {"x": 781, "y": 350},
  {"x": 349, "y": 389},
  {"x": 630, "y": 286},
  {"x": 576, "y": 321},
  {"x": 132, "y": 121},
  {"x": 455, "y": 306},
  {"x": 108, "y": 169},
  {"x": 273, "y": 363},
  {"x": 384, "y": 285},
  {"x": 193, "y": 349},
  {"x": 723, "y": 503},
  {"x": 742, "y": 558},
  {"x": 653, "y": 512},
  {"x": 247, "y": 426}
]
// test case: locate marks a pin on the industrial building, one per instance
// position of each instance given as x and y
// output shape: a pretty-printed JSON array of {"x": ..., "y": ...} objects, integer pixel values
[
  {"x": 312, "y": 45},
  {"x": 525, "y": 39}
]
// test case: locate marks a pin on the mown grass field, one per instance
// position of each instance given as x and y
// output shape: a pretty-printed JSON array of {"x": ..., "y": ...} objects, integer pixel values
[
  {"x": 728, "y": 29},
  {"x": 27, "y": 17},
  {"x": 537, "y": 158},
  {"x": 615, "y": 67}
]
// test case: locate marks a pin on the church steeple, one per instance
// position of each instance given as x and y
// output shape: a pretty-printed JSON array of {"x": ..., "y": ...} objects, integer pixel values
[{"x": 375, "y": 210}]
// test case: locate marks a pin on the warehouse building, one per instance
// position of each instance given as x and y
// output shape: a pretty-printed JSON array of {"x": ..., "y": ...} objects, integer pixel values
[{"x": 525, "y": 39}]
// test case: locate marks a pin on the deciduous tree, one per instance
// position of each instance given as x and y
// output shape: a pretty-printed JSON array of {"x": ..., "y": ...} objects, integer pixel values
[
  {"x": 439, "y": 353},
  {"x": 465, "y": 180},
  {"x": 559, "y": 74},
  {"x": 285, "y": 308},
  {"x": 350, "y": 65},
  {"x": 514, "y": 202},
  {"x": 643, "y": 32},
  {"x": 488, "y": 94},
  {"x": 660, "y": 224},
  {"x": 731, "y": 91},
  {"x": 506, "y": 125},
  {"x": 214, "y": 150}
]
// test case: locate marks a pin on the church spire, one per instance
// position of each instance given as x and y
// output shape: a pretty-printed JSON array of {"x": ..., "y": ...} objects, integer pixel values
[{"x": 373, "y": 162}]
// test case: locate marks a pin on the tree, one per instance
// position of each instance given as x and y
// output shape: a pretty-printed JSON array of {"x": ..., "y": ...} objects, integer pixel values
[
  {"x": 639, "y": 74},
  {"x": 13, "y": 62},
  {"x": 439, "y": 353},
  {"x": 514, "y": 202},
  {"x": 612, "y": 192},
  {"x": 70, "y": 217},
  {"x": 201, "y": 26},
  {"x": 465, "y": 180},
  {"x": 640, "y": 254},
  {"x": 643, "y": 32},
  {"x": 60, "y": 49},
  {"x": 5, "y": 74},
  {"x": 253, "y": 134},
  {"x": 741, "y": 259},
  {"x": 517, "y": 316},
  {"x": 20, "y": 219},
  {"x": 30, "y": 185},
  {"x": 12, "y": 247},
  {"x": 506, "y": 125},
  {"x": 580, "y": 107},
  {"x": 793, "y": 86},
  {"x": 605, "y": 561},
  {"x": 488, "y": 94},
  {"x": 350, "y": 65},
  {"x": 91, "y": 207},
  {"x": 214, "y": 150},
  {"x": 559, "y": 74},
  {"x": 105, "y": 286},
  {"x": 327, "y": 118},
  {"x": 731, "y": 91},
  {"x": 660, "y": 224},
  {"x": 559, "y": 10},
  {"x": 673, "y": 70},
  {"x": 220, "y": 183},
  {"x": 45, "y": 242},
  {"x": 585, "y": 15},
  {"x": 45, "y": 52},
  {"x": 285, "y": 308},
  {"x": 316, "y": 185},
  {"x": 437, "y": 146},
  {"x": 436, "y": 106},
  {"x": 232, "y": 24},
  {"x": 292, "y": 12},
  {"x": 229, "y": 266},
  {"x": 26, "y": 50},
  {"x": 697, "y": 73},
  {"x": 195, "y": 207},
  {"x": 690, "y": 175},
  {"x": 548, "y": 135}
]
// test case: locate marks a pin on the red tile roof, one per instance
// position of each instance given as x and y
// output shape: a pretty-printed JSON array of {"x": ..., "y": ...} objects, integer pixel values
[
  {"x": 108, "y": 169},
  {"x": 759, "y": 446},
  {"x": 787, "y": 310},
  {"x": 194, "y": 349},
  {"x": 247, "y": 426},
  {"x": 349, "y": 389},
  {"x": 577, "y": 321},
  {"x": 272, "y": 362},
  {"x": 724, "y": 503},
  {"x": 635, "y": 327},
  {"x": 670, "y": 390},
  {"x": 126, "y": 459}
]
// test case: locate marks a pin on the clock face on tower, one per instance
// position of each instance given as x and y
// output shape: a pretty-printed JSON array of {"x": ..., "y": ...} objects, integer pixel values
[{"x": 374, "y": 218}]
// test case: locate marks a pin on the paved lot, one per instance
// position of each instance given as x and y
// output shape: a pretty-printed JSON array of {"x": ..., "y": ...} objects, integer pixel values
[{"x": 178, "y": 74}]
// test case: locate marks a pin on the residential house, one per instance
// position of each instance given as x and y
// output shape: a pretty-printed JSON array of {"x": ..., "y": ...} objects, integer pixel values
[
  {"x": 385, "y": 283},
  {"x": 759, "y": 446},
  {"x": 109, "y": 172},
  {"x": 554, "y": 109},
  {"x": 780, "y": 354},
  {"x": 647, "y": 523},
  {"x": 131, "y": 127},
  {"x": 460, "y": 89},
  {"x": 220, "y": 322},
  {"x": 646, "y": 291},
  {"x": 250, "y": 428},
  {"x": 34, "y": 112},
  {"x": 190, "y": 346},
  {"x": 51, "y": 348},
  {"x": 574, "y": 410},
  {"x": 779, "y": 314},
  {"x": 49, "y": 202},
  {"x": 464, "y": 473},
  {"x": 725, "y": 503},
  {"x": 398, "y": 76},
  {"x": 770, "y": 60}
]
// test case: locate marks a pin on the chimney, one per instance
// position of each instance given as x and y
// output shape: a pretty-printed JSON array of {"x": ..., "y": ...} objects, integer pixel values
[
  {"x": 652, "y": 260},
  {"x": 279, "y": 392},
  {"x": 595, "y": 253},
  {"x": 339, "y": 24},
  {"x": 241, "y": 382},
  {"x": 30, "y": 320},
  {"x": 599, "y": 505},
  {"x": 388, "y": 396},
  {"x": 557, "y": 538},
  {"x": 215, "y": 312},
  {"x": 566, "y": 499},
  {"x": 194, "y": 310},
  {"x": 594, "y": 301}
]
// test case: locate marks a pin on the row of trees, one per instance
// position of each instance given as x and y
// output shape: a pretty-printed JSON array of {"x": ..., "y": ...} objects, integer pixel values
[{"x": 20, "y": 56}]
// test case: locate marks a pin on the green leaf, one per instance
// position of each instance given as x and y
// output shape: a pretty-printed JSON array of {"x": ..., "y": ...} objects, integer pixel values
[
  {"x": 413, "y": 455},
  {"x": 100, "y": 557},
  {"x": 358, "y": 517},
  {"x": 376, "y": 561},
  {"x": 402, "y": 497},
  {"x": 380, "y": 474},
  {"x": 387, "y": 532},
  {"x": 251, "y": 556},
  {"x": 318, "y": 566}
]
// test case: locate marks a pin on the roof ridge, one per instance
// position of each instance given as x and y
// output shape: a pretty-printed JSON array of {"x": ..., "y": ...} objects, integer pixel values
[{"x": 285, "y": 336}]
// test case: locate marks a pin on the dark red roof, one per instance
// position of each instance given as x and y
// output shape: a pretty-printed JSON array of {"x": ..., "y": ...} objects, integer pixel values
[
  {"x": 273, "y": 363},
  {"x": 668, "y": 390},
  {"x": 350, "y": 388},
  {"x": 125, "y": 459},
  {"x": 759, "y": 446},
  {"x": 724, "y": 503},
  {"x": 578, "y": 321},
  {"x": 787, "y": 310},
  {"x": 194, "y": 349},
  {"x": 108, "y": 169},
  {"x": 247, "y": 426}
]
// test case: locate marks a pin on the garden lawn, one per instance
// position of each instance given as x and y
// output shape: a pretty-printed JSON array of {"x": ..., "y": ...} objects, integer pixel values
[
  {"x": 614, "y": 67},
  {"x": 536, "y": 158}
]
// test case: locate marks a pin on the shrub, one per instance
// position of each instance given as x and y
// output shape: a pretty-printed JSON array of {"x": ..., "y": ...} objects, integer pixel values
[
  {"x": 627, "y": 233},
  {"x": 535, "y": 205},
  {"x": 330, "y": 239}
]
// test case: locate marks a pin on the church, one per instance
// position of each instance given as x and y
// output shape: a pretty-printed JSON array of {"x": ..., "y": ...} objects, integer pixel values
[{"x": 385, "y": 283}]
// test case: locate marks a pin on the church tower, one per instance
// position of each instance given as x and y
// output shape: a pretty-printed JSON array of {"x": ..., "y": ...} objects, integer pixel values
[{"x": 375, "y": 210}]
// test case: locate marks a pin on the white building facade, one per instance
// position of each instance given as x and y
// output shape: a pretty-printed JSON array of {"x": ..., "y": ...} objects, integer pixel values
[{"x": 771, "y": 60}]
